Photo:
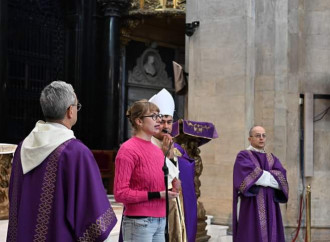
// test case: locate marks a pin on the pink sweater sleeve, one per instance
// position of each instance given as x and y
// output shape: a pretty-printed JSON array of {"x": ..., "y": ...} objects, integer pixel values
[{"x": 125, "y": 164}]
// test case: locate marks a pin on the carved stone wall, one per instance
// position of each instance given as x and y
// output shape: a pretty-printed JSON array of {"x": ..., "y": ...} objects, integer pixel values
[
  {"x": 150, "y": 70},
  {"x": 5, "y": 170}
]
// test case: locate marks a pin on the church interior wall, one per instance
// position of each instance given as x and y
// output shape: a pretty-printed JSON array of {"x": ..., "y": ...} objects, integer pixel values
[
  {"x": 316, "y": 79},
  {"x": 217, "y": 94},
  {"x": 266, "y": 53}
]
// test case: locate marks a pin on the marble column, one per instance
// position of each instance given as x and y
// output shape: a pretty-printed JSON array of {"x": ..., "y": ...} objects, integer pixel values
[{"x": 113, "y": 10}]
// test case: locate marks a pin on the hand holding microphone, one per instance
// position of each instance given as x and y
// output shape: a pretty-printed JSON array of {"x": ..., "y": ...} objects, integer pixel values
[
  {"x": 167, "y": 144},
  {"x": 165, "y": 131}
]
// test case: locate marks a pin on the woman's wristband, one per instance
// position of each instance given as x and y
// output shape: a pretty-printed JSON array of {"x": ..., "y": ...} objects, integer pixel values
[{"x": 153, "y": 195}]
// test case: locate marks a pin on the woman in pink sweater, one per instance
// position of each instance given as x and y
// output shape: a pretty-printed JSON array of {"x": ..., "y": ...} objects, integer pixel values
[{"x": 139, "y": 179}]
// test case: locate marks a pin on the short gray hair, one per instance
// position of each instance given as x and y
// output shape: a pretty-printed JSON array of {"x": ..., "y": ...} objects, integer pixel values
[
  {"x": 252, "y": 128},
  {"x": 55, "y": 99}
]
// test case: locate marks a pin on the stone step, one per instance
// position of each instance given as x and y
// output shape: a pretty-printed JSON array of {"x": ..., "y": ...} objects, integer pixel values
[
  {"x": 115, "y": 205},
  {"x": 227, "y": 238},
  {"x": 217, "y": 230}
]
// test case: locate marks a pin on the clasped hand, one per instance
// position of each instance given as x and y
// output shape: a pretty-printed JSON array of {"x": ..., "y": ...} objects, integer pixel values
[
  {"x": 168, "y": 143},
  {"x": 171, "y": 194}
]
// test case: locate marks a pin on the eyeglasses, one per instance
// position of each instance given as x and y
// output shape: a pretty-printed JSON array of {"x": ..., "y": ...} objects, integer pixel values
[
  {"x": 153, "y": 116},
  {"x": 258, "y": 136},
  {"x": 79, "y": 106},
  {"x": 168, "y": 122}
]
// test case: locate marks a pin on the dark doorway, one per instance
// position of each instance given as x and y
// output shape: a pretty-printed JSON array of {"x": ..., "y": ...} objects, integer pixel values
[{"x": 35, "y": 57}]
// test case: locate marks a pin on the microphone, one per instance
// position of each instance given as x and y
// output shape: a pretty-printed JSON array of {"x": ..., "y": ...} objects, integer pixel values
[{"x": 165, "y": 131}]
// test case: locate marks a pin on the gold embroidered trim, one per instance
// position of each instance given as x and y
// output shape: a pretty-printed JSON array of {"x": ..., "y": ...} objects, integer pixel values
[
  {"x": 177, "y": 153},
  {"x": 101, "y": 225},
  {"x": 46, "y": 200},
  {"x": 283, "y": 181},
  {"x": 270, "y": 160},
  {"x": 254, "y": 160},
  {"x": 249, "y": 179},
  {"x": 47, "y": 195},
  {"x": 262, "y": 215},
  {"x": 198, "y": 128},
  {"x": 12, "y": 228}
]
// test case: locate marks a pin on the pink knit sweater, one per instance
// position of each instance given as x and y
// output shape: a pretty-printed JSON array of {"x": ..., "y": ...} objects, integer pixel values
[{"x": 139, "y": 171}]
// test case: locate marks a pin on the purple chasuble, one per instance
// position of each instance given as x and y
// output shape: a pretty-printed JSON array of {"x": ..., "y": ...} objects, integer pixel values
[
  {"x": 259, "y": 216},
  {"x": 62, "y": 199},
  {"x": 187, "y": 175}
]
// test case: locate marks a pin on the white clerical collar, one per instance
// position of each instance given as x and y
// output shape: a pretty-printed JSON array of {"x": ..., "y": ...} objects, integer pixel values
[
  {"x": 255, "y": 149},
  {"x": 42, "y": 140},
  {"x": 58, "y": 125}
]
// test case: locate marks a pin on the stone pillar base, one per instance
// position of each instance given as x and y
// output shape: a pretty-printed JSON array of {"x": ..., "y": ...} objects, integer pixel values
[
  {"x": 201, "y": 234},
  {"x": 203, "y": 238}
]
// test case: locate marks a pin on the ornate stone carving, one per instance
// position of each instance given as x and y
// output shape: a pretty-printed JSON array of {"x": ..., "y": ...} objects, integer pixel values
[
  {"x": 5, "y": 169},
  {"x": 191, "y": 147},
  {"x": 150, "y": 70},
  {"x": 6, "y": 156},
  {"x": 158, "y": 4},
  {"x": 126, "y": 29},
  {"x": 190, "y": 135}
]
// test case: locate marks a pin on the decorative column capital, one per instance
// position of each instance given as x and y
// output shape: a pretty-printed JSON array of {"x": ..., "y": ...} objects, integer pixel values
[{"x": 114, "y": 8}]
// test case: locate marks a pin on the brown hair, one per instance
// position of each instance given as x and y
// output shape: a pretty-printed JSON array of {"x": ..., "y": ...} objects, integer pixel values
[{"x": 138, "y": 109}]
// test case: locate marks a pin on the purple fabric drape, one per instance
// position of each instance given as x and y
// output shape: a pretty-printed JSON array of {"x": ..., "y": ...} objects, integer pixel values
[
  {"x": 259, "y": 216},
  {"x": 187, "y": 174},
  {"x": 63, "y": 199},
  {"x": 202, "y": 131}
]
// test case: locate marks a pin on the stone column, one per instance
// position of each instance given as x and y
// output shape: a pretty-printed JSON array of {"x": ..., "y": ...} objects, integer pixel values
[{"x": 112, "y": 10}]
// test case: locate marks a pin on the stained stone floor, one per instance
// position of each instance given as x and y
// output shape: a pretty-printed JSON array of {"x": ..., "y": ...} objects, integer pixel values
[{"x": 218, "y": 233}]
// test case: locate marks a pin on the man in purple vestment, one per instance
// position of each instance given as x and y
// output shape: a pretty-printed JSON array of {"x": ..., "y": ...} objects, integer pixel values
[
  {"x": 56, "y": 192},
  {"x": 259, "y": 184}
]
